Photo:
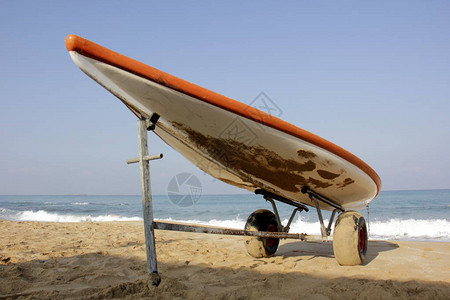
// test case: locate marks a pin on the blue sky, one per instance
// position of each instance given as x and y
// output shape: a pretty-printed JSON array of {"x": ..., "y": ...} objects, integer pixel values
[{"x": 372, "y": 77}]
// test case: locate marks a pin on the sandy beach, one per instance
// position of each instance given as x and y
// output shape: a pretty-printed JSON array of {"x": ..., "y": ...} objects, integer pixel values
[{"x": 107, "y": 260}]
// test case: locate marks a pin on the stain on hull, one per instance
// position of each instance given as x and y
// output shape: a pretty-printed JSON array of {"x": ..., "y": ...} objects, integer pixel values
[
  {"x": 306, "y": 154},
  {"x": 327, "y": 175},
  {"x": 345, "y": 183},
  {"x": 254, "y": 163}
]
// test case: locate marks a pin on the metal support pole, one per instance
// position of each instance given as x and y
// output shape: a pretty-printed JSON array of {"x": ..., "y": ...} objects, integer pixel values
[
  {"x": 323, "y": 230},
  {"x": 331, "y": 221},
  {"x": 288, "y": 225},
  {"x": 275, "y": 210},
  {"x": 144, "y": 167}
]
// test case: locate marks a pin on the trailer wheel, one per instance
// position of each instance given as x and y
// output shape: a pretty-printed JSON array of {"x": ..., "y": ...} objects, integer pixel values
[
  {"x": 261, "y": 220},
  {"x": 350, "y": 239}
]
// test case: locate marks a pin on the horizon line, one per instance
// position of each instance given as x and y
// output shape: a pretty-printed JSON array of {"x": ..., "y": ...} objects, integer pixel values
[{"x": 84, "y": 194}]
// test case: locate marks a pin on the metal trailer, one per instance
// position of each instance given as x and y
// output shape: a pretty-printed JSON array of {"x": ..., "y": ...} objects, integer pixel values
[{"x": 263, "y": 228}]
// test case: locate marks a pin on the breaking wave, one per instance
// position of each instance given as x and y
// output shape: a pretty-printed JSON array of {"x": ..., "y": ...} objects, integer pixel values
[
  {"x": 44, "y": 216},
  {"x": 393, "y": 229}
]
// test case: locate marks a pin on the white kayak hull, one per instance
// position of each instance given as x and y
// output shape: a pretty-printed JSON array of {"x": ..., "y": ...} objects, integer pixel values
[{"x": 234, "y": 148}]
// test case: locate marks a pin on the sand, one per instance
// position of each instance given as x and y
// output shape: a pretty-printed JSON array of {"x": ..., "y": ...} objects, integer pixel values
[{"x": 107, "y": 260}]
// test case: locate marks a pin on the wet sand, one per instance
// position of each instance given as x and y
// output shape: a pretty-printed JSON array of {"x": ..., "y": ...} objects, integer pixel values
[{"x": 107, "y": 260}]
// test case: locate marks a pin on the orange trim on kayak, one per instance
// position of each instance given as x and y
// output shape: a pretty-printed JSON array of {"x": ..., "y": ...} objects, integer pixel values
[{"x": 97, "y": 52}]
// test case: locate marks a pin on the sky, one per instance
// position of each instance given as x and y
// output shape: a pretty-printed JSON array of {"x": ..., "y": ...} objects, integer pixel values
[{"x": 371, "y": 76}]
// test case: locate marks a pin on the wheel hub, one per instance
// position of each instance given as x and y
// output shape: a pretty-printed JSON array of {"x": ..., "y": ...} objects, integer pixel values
[
  {"x": 362, "y": 240},
  {"x": 271, "y": 241}
]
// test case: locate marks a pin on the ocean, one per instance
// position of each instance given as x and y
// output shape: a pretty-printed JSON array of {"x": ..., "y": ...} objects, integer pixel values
[{"x": 394, "y": 215}]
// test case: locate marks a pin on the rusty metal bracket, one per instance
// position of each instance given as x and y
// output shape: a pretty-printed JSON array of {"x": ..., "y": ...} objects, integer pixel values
[
  {"x": 271, "y": 197},
  {"x": 321, "y": 198},
  {"x": 281, "y": 199},
  {"x": 315, "y": 198},
  {"x": 151, "y": 123}
]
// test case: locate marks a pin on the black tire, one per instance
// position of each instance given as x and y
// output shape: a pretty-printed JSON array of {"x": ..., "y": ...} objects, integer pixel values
[
  {"x": 261, "y": 220},
  {"x": 350, "y": 239}
]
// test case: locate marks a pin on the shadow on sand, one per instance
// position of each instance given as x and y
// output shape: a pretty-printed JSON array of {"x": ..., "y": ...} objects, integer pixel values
[
  {"x": 100, "y": 276},
  {"x": 319, "y": 249}
]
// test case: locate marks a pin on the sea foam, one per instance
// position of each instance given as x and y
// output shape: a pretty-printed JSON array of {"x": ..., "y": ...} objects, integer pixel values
[
  {"x": 393, "y": 229},
  {"x": 44, "y": 216}
]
